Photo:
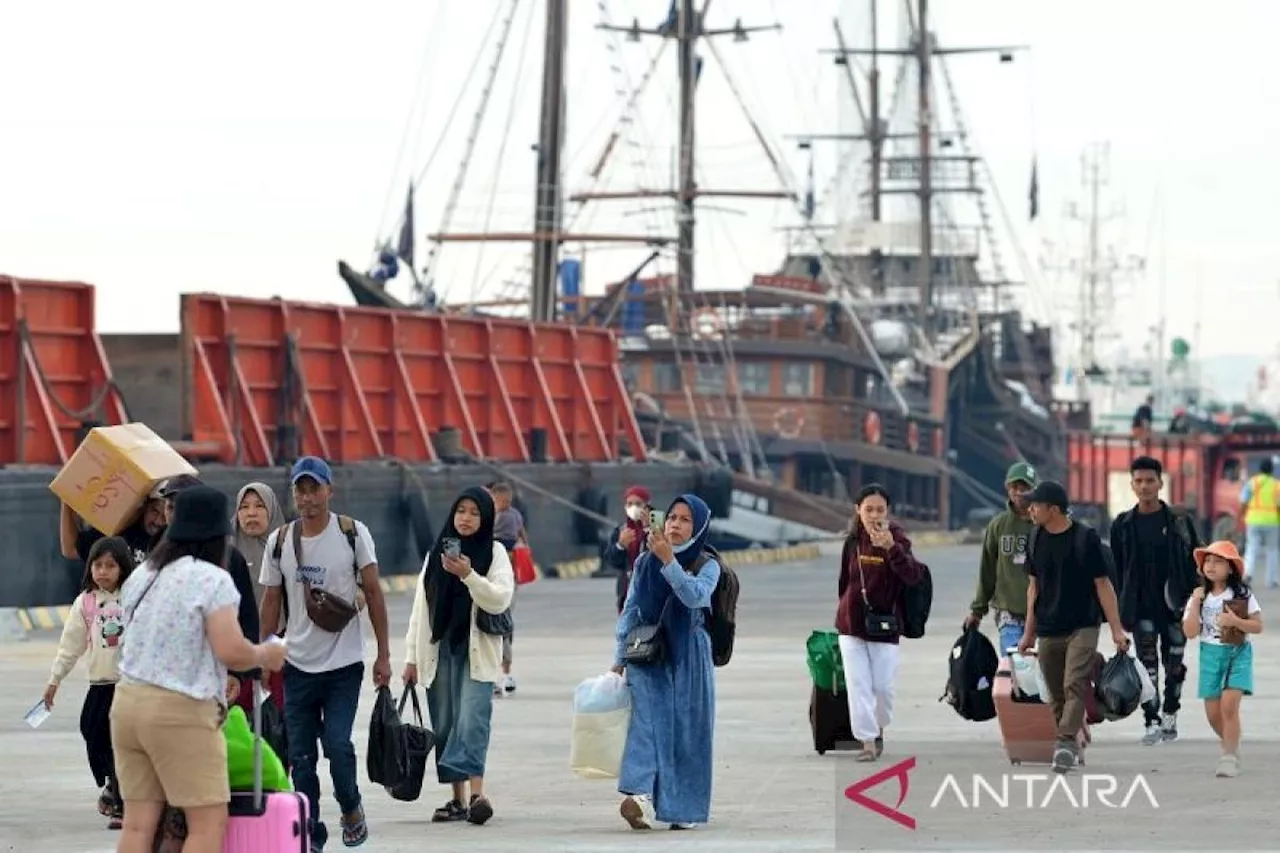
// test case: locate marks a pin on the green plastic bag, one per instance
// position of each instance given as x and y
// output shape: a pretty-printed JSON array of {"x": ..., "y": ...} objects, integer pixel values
[
  {"x": 239, "y": 737},
  {"x": 826, "y": 667}
]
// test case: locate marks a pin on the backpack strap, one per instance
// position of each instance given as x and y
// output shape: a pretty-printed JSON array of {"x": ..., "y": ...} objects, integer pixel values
[
  {"x": 295, "y": 529},
  {"x": 348, "y": 527},
  {"x": 278, "y": 550},
  {"x": 89, "y": 611}
]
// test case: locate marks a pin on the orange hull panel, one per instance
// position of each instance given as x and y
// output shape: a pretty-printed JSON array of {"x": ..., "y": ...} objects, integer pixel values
[
  {"x": 53, "y": 373},
  {"x": 1092, "y": 459},
  {"x": 372, "y": 383}
]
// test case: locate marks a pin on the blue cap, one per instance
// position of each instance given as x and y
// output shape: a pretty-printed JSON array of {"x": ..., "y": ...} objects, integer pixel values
[{"x": 313, "y": 467}]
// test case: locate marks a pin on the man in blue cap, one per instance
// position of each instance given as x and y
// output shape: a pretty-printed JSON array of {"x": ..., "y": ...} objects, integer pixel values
[{"x": 316, "y": 568}]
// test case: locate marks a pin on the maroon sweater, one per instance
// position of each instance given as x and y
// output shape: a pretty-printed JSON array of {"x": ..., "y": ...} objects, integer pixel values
[{"x": 887, "y": 573}]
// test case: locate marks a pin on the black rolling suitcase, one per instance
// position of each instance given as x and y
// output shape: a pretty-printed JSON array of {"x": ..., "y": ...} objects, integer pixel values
[{"x": 829, "y": 719}]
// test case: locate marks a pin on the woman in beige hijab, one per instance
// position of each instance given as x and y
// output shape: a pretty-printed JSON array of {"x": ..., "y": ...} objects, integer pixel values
[{"x": 258, "y": 513}]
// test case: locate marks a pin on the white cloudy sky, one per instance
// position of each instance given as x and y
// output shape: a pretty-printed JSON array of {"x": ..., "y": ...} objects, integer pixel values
[{"x": 152, "y": 149}]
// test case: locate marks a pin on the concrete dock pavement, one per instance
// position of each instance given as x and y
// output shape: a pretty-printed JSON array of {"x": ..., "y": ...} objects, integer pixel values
[{"x": 772, "y": 791}]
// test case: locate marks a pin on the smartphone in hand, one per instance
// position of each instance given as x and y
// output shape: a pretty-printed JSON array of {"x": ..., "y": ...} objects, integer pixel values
[
  {"x": 657, "y": 519},
  {"x": 451, "y": 547}
]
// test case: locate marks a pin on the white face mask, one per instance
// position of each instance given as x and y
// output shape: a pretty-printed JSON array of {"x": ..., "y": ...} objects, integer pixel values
[{"x": 636, "y": 513}]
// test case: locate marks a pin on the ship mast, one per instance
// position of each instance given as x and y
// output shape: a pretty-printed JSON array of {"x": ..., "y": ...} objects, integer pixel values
[
  {"x": 547, "y": 207},
  {"x": 958, "y": 173},
  {"x": 924, "y": 50},
  {"x": 685, "y": 25},
  {"x": 687, "y": 38}
]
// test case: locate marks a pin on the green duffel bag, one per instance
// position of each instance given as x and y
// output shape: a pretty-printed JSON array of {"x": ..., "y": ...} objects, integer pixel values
[{"x": 826, "y": 667}]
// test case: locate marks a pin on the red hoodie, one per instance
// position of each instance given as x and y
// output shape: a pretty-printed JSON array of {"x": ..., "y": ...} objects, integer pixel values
[{"x": 887, "y": 573}]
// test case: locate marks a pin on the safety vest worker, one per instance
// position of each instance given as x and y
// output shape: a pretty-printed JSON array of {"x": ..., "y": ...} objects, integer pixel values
[{"x": 1261, "y": 508}]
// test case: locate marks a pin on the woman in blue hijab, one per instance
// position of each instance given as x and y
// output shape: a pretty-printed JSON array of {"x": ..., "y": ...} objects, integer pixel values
[{"x": 666, "y": 766}]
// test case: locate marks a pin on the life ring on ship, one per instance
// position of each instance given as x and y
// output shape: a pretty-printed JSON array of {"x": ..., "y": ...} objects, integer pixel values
[
  {"x": 706, "y": 325},
  {"x": 913, "y": 437},
  {"x": 788, "y": 423},
  {"x": 871, "y": 428}
]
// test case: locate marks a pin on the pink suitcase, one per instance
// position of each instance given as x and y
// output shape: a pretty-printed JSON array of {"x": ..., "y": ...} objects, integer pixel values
[{"x": 265, "y": 823}]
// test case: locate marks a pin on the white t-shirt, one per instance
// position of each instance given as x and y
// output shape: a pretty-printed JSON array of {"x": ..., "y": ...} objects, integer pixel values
[
  {"x": 164, "y": 641},
  {"x": 1212, "y": 609},
  {"x": 326, "y": 562}
]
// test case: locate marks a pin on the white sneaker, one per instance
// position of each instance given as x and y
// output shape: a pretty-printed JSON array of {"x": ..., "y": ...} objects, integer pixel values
[
  {"x": 1153, "y": 735},
  {"x": 637, "y": 811},
  {"x": 1169, "y": 727},
  {"x": 683, "y": 825},
  {"x": 1228, "y": 767}
]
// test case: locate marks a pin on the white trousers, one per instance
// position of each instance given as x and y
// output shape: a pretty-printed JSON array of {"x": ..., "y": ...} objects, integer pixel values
[{"x": 870, "y": 671}]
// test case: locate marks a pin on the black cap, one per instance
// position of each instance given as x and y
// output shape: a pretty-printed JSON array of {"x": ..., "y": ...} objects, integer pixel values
[
  {"x": 173, "y": 485},
  {"x": 1049, "y": 492},
  {"x": 200, "y": 513}
]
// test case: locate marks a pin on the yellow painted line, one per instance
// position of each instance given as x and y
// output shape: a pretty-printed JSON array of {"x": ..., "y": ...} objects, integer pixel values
[
  {"x": 397, "y": 583},
  {"x": 938, "y": 538},
  {"x": 44, "y": 618},
  {"x": 576, "y": 569}
]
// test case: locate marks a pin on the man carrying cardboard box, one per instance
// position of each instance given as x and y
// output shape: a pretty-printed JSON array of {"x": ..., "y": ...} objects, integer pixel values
[
  {"x": 141, "y": 535},
  {"x": 111, "y": 482}
]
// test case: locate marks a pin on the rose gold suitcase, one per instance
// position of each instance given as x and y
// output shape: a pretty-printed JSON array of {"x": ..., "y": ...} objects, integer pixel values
[{"x": 1027, "y": 727}]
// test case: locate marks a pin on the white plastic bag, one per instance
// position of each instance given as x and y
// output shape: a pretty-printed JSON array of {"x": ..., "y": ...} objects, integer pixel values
[
  {"x": 1028, "y": 677},
  {"x": 599, "y": 695},
  {"x": 601, "y": 716},
  {"x": 1148, "y": 688}
]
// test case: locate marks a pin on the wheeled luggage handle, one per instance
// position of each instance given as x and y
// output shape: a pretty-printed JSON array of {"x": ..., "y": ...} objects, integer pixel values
[{"x": 259, "y": 696}]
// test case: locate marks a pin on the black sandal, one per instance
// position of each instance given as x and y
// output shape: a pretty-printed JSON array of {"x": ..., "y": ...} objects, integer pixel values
[
  {"x": 481, "y": 810},
  {"x": 449, "y": 812},
  {"x": 354, "y": 832}
]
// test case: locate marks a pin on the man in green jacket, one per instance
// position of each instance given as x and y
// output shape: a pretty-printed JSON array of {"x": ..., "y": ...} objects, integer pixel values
[{"x": 1002, "y": 575}]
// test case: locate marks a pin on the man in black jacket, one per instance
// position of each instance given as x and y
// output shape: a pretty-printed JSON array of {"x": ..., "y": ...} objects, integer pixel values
[{"x": 1152, "y": 545}]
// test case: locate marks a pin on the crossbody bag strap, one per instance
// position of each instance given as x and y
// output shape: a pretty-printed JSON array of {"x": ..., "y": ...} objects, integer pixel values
[
  {"x": 154, "y": 577},
  {"x": 862, "y": 577}
]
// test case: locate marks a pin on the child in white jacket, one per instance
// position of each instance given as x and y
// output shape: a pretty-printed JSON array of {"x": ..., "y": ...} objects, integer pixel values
[{"x": 94, "y": 629}]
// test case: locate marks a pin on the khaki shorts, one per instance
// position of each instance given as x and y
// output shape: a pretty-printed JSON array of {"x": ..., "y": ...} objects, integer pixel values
[{"x": 168, "y": 747}]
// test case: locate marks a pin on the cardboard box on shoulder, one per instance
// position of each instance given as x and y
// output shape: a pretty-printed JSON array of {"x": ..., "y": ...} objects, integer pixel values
[{"x": 108, "y": 478}]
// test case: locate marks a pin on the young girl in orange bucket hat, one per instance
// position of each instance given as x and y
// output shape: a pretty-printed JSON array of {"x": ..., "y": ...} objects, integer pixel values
[{"x": 1226, "y": 655}]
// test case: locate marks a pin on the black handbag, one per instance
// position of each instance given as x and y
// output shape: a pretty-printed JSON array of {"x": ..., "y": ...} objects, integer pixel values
[
  {"x": 646, "y": 644},
  {"x": 497, "y": 625},
  {"x": 877, "y": 625},
  {"x": 419, "y": 740}
]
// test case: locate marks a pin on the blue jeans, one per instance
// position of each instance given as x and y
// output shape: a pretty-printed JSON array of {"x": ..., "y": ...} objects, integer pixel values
[
  {"x": 461, "y": 709},
  {"x": 321, "y": 707},
  {"x": 1262, "y": 545},
  {"x": 1010, "y": 636}
]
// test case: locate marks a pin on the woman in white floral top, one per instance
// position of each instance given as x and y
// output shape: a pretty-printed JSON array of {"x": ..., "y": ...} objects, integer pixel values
[{"x": 181, "y": 635}]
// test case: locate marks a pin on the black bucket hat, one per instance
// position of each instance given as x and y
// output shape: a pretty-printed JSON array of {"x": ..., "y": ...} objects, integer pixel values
[{"x": 200, "y": 514}]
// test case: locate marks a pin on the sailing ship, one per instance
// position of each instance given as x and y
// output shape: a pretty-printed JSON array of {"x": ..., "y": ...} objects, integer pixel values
[{"x": 879, "y": 350}]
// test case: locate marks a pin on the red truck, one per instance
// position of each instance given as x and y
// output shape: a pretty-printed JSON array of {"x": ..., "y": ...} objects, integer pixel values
[{"x": 1203, "y": 474}]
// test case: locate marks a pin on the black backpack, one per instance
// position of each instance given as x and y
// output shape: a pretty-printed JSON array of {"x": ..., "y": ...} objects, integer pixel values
[
  {"x": 917, "y": 601},
  {"x": 1082, "y": 534},
  {"x": 722, "y": 621},
  {"x": 971, "y": 676}
]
